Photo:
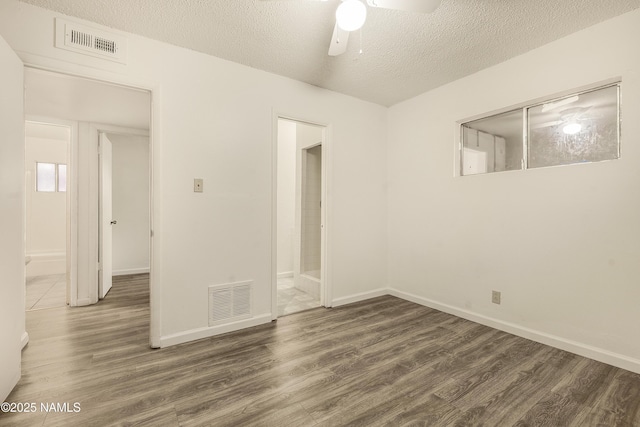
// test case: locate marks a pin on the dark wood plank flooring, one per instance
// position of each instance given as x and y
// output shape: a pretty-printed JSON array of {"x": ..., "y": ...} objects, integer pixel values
[{"x": 383, "y": 361}]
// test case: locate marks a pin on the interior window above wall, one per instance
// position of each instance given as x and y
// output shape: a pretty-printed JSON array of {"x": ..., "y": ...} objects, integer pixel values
[
  {"x": 578, "y": 128},
  {"x": 492, "y": 144}
]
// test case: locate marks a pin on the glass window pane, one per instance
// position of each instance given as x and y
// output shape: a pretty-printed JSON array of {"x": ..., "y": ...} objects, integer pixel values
[
  {"x": 62, "y": 178},
  {"x": 492, "y": 144},
  {"x": 45, "y": 177},
  {"x": 576, "y": 129}
]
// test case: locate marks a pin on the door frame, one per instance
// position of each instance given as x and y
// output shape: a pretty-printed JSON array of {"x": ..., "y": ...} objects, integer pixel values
[
  {"x": 72, "y": 208},
  {"x": 95, "y": 130},
  {"x": 155, "y": 213},
  {"x": 326, "y": 287},
  {"x": 102, "y": 231}
]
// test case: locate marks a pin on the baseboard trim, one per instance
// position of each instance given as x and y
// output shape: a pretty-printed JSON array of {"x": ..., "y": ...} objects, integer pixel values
[
  {"x": 46, "y": 263},
  {"x": 350, "y": 299},
  {"x": 595, "y": 353},
  {"x": 83, "y": 301},
  {"x": 200, "y": 333},
  {"x": 285, "y": 274},
  {"x": 130, "y": 271},
  {"x": 24, "y": 339}
]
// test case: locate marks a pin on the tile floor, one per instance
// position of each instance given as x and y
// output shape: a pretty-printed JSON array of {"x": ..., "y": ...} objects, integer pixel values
[
  {"x": 291, "y": 299},
  {"x": 46, "y": 292}
]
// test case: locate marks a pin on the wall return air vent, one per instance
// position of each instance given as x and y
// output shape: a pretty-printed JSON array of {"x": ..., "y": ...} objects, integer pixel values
[
  {"x": 90, "y": 41},
  {"x": 230, "y": 302}
]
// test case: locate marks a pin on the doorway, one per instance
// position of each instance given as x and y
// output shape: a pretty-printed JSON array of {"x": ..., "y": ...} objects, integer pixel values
[
  {"x": 123, "y": 240},
  {"x": 91, "y": 107},
  {"x": 300, "y": 190},
  {"x": 46, "y": 156}
]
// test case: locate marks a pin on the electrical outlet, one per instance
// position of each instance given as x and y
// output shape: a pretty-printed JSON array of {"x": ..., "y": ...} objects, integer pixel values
[
  {"x": 198, "y": 184},
  {"x": 495, "y": 297}
]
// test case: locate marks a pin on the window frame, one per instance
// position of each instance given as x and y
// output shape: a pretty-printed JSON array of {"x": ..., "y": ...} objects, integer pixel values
[
  {"x": 525, "y": 107},
  {"x": 56, "y": 169},
  {"x": 66, "y": 176}
]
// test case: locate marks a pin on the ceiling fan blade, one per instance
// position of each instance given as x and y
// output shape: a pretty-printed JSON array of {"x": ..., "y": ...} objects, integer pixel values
[
  {"x": 420, "y": 6},
  {"x": 339, "y": 41}
]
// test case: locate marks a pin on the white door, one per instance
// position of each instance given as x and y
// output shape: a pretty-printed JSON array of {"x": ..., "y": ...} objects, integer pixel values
[
  {"x": 12, "y": 270},
  {"x": 105, "y": 249}
]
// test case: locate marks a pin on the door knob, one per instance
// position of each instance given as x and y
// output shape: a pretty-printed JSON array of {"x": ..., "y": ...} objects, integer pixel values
[{"x": 114, "y": 222}]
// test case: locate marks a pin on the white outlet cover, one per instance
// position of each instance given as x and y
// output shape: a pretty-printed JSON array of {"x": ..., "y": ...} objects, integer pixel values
[{"x": 198, "y": 185}]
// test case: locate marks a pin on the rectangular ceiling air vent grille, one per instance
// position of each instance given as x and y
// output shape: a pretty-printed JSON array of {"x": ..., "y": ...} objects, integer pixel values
[
  {"x": 90, "y": 41},
  {"x": 105, "y": 45},
  {"x": 81, "y": 39},
  {"x": 230, "y": 302}
]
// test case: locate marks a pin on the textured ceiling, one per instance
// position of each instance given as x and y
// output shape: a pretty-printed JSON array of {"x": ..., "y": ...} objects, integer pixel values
[{"x": 404, "y": 54}]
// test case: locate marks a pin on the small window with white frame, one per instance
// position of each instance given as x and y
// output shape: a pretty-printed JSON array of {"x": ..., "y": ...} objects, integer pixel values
[
  {"x": 51, "y": 177},
  {"x": 583, "y": 127}
]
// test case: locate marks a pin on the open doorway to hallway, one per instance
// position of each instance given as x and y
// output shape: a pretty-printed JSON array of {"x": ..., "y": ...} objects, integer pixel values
[
  {"x": 46, "y": 158},
  {"x": 300, "y": 215},
  {"x": 122, "y": 114}
]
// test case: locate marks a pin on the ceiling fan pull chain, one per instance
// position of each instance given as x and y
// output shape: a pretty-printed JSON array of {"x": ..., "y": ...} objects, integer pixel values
[{"x": 360, "y": 41}]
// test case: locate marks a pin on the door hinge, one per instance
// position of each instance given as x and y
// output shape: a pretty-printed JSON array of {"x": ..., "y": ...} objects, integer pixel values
[{"x": 99, "y": 266}]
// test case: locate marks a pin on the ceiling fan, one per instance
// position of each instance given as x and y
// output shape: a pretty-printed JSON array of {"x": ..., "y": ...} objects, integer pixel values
[
  {"x": 571, "y": 120},
  {"x": 351, "y": 14}
]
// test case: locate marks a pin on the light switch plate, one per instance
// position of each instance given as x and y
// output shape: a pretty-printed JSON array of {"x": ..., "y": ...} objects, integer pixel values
[
  {"x": 496, "y": 297},
  {"x": 198, "y": 185}
]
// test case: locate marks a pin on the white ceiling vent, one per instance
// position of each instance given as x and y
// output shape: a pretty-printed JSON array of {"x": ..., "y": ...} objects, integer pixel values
[
  {"x": 90, "y": 41},
  {"x": 230, "y": 302}
]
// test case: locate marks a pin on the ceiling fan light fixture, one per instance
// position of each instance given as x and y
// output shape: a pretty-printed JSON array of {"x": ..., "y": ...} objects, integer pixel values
[
  {"x": 572, "y": 128},
  {"x": 351, "y": 15}
]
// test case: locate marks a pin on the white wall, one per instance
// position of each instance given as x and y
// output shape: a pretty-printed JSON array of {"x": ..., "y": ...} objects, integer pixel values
[
  {"x": 46, "y": 212},
  {"x": 286, "y": 195},
  {"x": 130, "y": 203},
  {"x": 213, "y": 120},
  {"x": 12, "y": 271},
  {"x": 562, "y": 244}
]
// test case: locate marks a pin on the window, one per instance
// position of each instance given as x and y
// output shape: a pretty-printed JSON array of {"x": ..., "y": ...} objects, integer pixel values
[
  {"x": 46, "y": 177},
  {"x": 62, "y": 178},
  {"x": 51, "y": 177},
  {"x": 493, "y": 144},
  {"x": 579, "y": 128}
]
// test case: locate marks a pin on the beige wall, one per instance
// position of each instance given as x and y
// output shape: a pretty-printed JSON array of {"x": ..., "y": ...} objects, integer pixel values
[
  {"x": 311, "y": 212},
  {"x": 130, "y": 203},
  {"x": 562, "y": 244},
  {"x": 286, "y": 195},
  {"x": 12, "y": 271},
  {"x": 214, "y": 119},
  {"x": 46, "y": 213}
]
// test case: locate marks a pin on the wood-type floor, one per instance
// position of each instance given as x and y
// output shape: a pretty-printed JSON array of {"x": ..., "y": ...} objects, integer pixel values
[{"x": 384, "y": 361}]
